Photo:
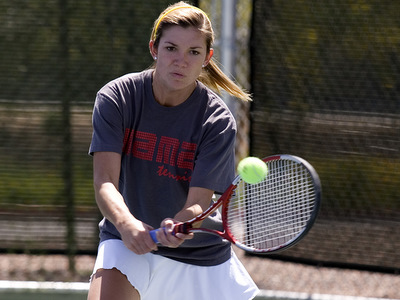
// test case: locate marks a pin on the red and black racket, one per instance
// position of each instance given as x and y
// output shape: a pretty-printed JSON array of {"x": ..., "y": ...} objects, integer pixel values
[{"x": 268, "y": 216}]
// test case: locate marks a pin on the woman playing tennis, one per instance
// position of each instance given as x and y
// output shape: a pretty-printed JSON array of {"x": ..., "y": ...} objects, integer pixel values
[{"x": 162, "y": 146}]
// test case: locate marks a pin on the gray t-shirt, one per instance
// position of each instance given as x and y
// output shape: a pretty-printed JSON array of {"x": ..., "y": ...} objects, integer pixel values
[{"x": 166, "y": 150}]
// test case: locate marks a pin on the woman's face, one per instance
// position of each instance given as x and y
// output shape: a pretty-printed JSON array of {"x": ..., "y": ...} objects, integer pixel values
[{"x": 181, "y": 53}]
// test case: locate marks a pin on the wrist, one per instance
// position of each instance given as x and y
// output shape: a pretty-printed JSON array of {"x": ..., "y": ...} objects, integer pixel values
[{"x": 188, "y": 213}]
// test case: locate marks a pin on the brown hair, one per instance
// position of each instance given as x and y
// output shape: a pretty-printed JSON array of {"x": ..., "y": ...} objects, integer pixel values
[{"x": 185, "y": 15}]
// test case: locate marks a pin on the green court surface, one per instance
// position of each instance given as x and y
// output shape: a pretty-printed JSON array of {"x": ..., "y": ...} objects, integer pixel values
[
  {"x": 41, "y": 296},
  {"x": 22, "y": 290}
]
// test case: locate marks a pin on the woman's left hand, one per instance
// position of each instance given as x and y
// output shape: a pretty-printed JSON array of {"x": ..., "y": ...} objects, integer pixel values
[{"x": 168, "y": 238}]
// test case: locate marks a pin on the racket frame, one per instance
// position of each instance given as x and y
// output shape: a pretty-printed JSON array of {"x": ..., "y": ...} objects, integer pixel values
[
  {"x": 316, "y": 207},
  {"x": 187, "y": 227}
]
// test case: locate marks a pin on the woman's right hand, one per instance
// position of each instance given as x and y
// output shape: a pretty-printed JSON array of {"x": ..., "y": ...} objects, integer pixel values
[
  {"x": 134, "y": 233},
  {"x": 136, "y": 236}
]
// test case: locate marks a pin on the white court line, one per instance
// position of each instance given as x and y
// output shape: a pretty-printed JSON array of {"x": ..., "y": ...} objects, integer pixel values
[
  {"x": 83, "y": 287},
  {"x": 281, "y": 295},
  {"x": 73, "y": 287}
]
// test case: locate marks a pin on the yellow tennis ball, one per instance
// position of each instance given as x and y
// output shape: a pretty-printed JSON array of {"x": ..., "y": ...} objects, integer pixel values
[{"x": 252, "y": 170}]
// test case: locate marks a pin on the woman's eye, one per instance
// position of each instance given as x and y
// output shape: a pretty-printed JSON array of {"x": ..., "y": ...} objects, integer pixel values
[{"x": 170, "y": 48}]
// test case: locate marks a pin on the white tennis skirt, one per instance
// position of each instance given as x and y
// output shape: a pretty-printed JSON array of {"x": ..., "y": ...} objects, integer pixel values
[{"x": 157, "y": 277}]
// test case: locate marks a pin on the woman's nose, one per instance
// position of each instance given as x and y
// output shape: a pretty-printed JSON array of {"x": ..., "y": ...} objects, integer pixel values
[{"x": 181, "y": 59}]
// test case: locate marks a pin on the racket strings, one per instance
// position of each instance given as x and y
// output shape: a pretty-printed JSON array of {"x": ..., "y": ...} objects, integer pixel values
[{"x": 274, "y": 212}]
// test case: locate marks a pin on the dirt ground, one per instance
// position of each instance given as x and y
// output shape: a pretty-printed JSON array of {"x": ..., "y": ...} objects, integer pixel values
[{"x": 268, "y": 274}]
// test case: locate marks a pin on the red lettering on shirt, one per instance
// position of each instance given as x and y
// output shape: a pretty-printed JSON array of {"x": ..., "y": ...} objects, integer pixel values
[
  {"x": 144, "y": 145},
  {"x": 163, "y": 171},
  {"x": 186, "y": 156},
  {"x": 128, "y": 141},
  {"x": 165, "y": 150}
]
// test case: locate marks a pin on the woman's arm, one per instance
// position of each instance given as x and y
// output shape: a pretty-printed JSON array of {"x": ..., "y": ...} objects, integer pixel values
[
  {"x": 134, "y": 233},
  {"x": 198, "y": 200}
]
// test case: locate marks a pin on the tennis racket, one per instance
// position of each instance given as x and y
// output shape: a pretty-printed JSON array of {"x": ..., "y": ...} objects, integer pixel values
[{"x": 269, "y": 216}]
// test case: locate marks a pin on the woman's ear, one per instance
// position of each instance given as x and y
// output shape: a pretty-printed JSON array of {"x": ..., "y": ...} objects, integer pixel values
[
  {"x": 153, "y": 50},
  {"x": 208, "y": 57}
]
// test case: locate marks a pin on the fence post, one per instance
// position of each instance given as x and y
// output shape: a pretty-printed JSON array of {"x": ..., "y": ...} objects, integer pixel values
[{"x": 68, "y": 193}]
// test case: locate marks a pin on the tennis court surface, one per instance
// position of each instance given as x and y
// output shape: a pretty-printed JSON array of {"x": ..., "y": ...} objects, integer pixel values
[{"x": 278, "y": 279}]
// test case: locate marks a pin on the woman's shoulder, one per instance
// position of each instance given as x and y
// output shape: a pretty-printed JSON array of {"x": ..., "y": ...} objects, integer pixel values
[
  {"x": 217, "y": 111},
  {"x": 127, "y": 81},
  {"x": 211, "y": 98}
]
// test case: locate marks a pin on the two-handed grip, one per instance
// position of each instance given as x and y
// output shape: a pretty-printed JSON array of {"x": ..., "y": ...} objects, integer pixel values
[
  {"x": 181, "y": 227},
  {"x": 153, "y": 235}
]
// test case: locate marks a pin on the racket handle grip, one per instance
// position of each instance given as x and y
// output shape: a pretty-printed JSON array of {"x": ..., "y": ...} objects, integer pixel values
[
  {"x": 153, "y": 234},
  {"x": 181, "y": 227}
]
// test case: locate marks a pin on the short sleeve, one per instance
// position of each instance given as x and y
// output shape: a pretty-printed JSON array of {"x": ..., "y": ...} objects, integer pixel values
[
  {"x": 215, "y": 163},
  {"x": 108, "y": 132}
]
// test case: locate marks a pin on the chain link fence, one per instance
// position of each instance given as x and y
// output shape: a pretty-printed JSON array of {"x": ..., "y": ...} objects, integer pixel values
[
  {"x": 326, "y": 83},
  {"x": 54, "y": 58}
]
